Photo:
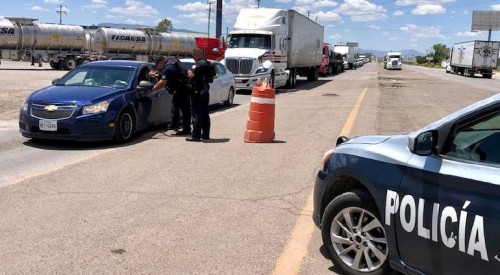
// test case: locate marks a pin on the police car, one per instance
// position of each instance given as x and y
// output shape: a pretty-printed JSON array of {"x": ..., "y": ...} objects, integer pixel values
[{"x": 426, "y": 202}]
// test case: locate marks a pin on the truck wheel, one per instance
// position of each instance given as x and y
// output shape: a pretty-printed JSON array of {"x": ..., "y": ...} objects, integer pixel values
[
  {"x": 354, "y": 235},
  {"x": 487, "y": 76},
  {"x": 54, "y": 65},
  {"x": 69, "y": 63},
  {"x": 292, "y": 78},
  {"x": 124, "y": 127},
  {"x": 271, "y": 80}
]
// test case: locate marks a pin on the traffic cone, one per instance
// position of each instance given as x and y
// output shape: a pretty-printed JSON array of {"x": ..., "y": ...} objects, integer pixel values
[{"x": 260, "y": 125}]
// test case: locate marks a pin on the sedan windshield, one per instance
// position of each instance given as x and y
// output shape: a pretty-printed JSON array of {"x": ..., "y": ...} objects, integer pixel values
[{"x": 114, "y": 77}]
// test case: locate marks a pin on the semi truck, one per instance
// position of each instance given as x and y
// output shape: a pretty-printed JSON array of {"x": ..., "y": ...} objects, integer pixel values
[
  {"x": 469, "y": 58},
  {"x": 332, "y": 62},
  {"x": 393, "y": 61},
  {"x": 67, "y": 46},
  {"x": 273, "y": 44},
  {"x": 348, "y": 55}
]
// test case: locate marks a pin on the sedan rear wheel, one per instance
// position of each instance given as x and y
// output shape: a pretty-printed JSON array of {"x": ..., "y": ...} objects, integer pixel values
[
  {"x": 230, "y": 97},
  {"x": 124, "y": 127},
  {"x": 354, "y": 236}
]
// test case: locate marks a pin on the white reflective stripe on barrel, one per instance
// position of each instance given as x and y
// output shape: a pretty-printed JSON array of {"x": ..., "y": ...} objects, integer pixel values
[{"x": 262, "y": 100}]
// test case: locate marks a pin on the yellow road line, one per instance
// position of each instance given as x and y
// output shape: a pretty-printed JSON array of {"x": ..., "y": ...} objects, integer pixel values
[{"x": 291, "y": 258}]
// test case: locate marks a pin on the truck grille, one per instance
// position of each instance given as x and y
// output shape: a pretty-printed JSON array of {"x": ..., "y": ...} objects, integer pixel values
[
  {"x": 45, "y": 111},
  {"x": 394, "y": 62},
  {"x": 239, "y": 66}
]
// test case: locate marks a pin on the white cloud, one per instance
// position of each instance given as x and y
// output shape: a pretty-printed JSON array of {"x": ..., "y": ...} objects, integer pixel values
[
  {"x": 428, "y": 9},
  {"x": 38, "y": 8},
  {"x": 362, "y": 11},
  {"x": 465, "y": 12},
  {"x": 423, "y": 31},
  {"x": 495, "y": 7},
  {"x": 421, "y": 2},
  {"x": 135, "y": 8},
  {"x": 324, "y": 3},
  {"x": 135, "y": 22},
  {"x": 133, "y": 3},
  {"x": 386, "y": 33},
  {"x": 96, "y": 4},
  {"x": 53, "y": 1},
  {"x": 335, "y": 36},
  {"x": 326, "y": 16},
  {"x": 196, "y": 6},
  {"x": 196, "y": 18},
  {"x": 283, "y": 1},
  {"x": 374, "y": 27},
  {"x": 469, "y": 34},
  {"x": 398, "y": 13}
]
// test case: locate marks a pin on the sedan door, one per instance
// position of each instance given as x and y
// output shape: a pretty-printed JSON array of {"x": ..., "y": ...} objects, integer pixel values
[{"x": 448, "y": 209}]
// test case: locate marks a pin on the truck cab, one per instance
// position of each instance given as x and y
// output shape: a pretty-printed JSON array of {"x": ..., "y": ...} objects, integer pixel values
[
  {"x": 268, "y": 44},
  {"x": 393, "y": 61}
]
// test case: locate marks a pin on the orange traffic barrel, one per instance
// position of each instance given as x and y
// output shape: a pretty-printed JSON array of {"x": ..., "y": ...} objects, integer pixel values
[{"x": 260, "y": 125}]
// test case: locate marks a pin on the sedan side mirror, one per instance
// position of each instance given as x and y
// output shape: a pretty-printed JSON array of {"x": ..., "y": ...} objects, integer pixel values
[
  {"x": 55, "y": 81},
  {"x": 424, "y": 144},
  {"x": 144, "y": 84}
]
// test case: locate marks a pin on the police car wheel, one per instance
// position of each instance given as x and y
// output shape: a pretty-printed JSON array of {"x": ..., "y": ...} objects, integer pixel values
[
  {"x": 124, "y": 127},
  {"x": 354, "y": 236}
]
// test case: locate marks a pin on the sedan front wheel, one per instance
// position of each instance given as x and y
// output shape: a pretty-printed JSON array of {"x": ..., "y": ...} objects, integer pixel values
[
  {"x": 124, "y": 127},
  {"x": 354, "y": 236}
]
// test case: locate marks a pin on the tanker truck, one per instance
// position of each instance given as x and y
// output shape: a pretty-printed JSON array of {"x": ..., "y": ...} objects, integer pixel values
[
  {"x": 61, "y": 45},
  {"x": 67, "y": 46},
  {"x": 273, "y": 44}
]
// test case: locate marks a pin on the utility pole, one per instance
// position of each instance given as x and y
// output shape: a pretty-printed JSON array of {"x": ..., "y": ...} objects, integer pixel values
[
  {"x": 61, "y": 11},
  {"x": 258, "y": 3},
  {"x": 210, "y": 3},
  {"x": 218, "y": 19}
]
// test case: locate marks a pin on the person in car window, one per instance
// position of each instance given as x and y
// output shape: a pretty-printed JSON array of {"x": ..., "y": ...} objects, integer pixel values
[
  {"x": 170, "y": 76},
  {"x": 199, "y": 97}
]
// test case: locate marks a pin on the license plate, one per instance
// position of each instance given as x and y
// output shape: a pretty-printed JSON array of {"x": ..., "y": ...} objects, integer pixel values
[
  {"x": 47, "y": 125},
  {"x": 238, "y": 80}
]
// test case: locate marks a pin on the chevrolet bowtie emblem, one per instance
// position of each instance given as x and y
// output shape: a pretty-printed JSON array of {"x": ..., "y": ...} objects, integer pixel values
[{"x": 50, "y": 108}]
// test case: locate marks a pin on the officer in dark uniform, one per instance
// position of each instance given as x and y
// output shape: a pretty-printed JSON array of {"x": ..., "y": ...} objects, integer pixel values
[
  {"x": 171, "y": 77},
  {"x": 199, "y": 98}
]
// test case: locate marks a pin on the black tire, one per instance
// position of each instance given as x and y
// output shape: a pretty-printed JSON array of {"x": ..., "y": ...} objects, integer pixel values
[
  {"x": 290, "y": 83},
  {"x": 54, "y": 65},
  {"x": 351, "y": 239},
  {"x": 271, "y": 81},
  {"x": 125, "y": 126},
  {"x": 230, "y": 97},
  {"x": 70, "y": 63}
]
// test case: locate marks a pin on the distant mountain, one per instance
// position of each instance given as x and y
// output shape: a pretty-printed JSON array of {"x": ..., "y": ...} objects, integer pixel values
[
  {"x": 406, "y": 53},
  {"x": 135, "y": 26}
]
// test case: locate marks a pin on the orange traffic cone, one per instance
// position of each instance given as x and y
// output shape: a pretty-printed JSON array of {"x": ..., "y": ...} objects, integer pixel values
[{"x": 260, "y": 125}]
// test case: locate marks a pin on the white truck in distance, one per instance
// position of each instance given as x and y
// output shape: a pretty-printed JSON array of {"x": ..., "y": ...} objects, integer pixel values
[
  {"x": 275, "y": 44},
  {"x": 393, "y": 61},
  {"x": 347, "y": 52},
  {"x": 469, "y": 58}
]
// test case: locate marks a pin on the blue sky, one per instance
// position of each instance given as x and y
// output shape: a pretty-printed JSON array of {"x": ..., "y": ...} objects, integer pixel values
[{"x": 374, "y": 24}]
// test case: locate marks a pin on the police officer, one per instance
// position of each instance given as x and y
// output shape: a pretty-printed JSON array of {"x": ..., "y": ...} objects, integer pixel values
[
  {"x": 199, "y": 98},
  {"x": 171, "y": 76}
]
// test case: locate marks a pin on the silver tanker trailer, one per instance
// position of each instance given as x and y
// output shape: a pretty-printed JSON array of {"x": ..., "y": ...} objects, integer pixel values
[
  {"x": 63, "y": 46},
  {"x": 140, "y": 44},
  {"x": 67, "y": 46}
]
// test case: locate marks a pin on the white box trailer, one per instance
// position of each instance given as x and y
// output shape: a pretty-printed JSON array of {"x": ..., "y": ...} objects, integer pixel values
[
  {"x": 469, "y": 58},
  {"x": 273, "y": 44},
  {"x": 347, "y": 52}
]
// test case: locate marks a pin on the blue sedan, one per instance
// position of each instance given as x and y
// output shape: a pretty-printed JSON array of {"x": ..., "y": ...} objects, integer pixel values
[
  {"x": 426, "y": 202},
  {"x": 104, "y": 100}
]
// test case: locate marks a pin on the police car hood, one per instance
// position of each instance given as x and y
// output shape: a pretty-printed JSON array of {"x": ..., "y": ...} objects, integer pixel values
[{"x": 391, "y": 149}]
